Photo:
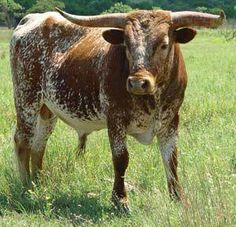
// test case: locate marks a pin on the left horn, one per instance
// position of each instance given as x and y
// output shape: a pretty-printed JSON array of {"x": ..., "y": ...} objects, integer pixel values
[
  {"x": 115, "y": 20},
  {"x": 191, "y": 19}
]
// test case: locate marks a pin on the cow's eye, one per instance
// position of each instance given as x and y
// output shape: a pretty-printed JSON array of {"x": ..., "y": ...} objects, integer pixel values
[{"x": 164, "y": 46}]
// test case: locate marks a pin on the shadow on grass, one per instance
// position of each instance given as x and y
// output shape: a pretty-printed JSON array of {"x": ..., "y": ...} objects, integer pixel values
[{"x": 78, "y": 209}]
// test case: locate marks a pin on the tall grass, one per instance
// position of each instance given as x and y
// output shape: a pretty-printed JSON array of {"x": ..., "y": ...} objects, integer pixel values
[{"x": 76, "y": 191}]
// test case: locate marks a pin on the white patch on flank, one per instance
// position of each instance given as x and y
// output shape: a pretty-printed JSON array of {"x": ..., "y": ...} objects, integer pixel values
[
  {"x": 79, "y": 124},
  {"x": 41, "y": 133}
]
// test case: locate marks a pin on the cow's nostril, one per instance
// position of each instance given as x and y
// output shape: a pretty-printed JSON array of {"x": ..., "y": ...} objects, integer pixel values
[{"x": 144, "y": 84}]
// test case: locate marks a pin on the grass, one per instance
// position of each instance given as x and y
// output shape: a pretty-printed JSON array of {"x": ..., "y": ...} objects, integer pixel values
[{"x": 77, "y": 191}]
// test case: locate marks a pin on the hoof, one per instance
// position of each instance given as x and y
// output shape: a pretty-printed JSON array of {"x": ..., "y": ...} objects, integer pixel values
[
  {"x": 176, "y": 193},
  {"x": 80, "y": 151},
  {"x": 121, "y": 204},
  {"x": 124, "y": 208},
  {"x": 26, "y": 183},
  {"x": 181, "y": 198}
]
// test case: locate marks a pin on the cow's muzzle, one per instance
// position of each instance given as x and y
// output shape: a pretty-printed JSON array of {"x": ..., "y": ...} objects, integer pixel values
[{"x": 141, "y": 85}]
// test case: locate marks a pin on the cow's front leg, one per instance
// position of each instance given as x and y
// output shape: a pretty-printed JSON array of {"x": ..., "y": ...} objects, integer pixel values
[
  {"x": 120, "y": 159},
  {"x": 167, "y": 142}
]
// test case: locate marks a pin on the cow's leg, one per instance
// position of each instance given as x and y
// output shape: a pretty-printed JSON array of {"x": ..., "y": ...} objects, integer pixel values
[
  {"x": 82, "y": 142},
  {"x": 22, "y": 152},
  {"x": 167, "y": 140},
  {"x": 26, "y": 122},
  {"x": 120, "y": 159},
  {"x": 45, "y": 124}
]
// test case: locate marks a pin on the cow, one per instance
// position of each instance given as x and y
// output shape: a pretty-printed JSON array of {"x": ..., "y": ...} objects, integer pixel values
[{"x": 124, "y": 72}]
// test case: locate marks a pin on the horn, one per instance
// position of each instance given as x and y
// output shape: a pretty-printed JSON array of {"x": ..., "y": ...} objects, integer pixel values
[
  {"x": 190, "y": 19},
  {"x": 116, "y": 20}
]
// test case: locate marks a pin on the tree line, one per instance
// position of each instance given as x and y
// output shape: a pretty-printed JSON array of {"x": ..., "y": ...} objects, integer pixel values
[{"x": 11, "y": 11}]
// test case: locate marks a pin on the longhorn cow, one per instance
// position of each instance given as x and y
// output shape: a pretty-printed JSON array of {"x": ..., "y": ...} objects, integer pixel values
[{"x": 123, "y": 72}]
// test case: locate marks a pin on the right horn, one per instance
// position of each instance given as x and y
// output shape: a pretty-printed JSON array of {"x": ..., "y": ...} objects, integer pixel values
[{"x": 191, "y": 19}]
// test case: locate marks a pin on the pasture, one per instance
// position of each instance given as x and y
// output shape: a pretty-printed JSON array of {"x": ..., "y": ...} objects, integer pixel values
[{"x": 77, "y": 191}]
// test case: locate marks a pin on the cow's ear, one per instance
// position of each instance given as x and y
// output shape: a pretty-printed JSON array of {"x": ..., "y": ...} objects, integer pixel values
[
  {"x": 184, "y": 35},
  {"x": 114, "y": 36}
]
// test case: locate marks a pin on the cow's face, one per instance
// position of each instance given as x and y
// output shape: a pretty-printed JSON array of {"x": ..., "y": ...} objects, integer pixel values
[{"x": 149, "y": 39}]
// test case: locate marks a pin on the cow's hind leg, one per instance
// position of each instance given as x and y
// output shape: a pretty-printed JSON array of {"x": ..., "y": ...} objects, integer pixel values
[
  {"x": 45, "y": 124},
  {"x": 169, "y": 154},
  {"x": 82, "y": 142},
  {"x": 31, "y": 135},
  {"x": 22, "y": 151},
  {"x": 24, "y": 132}
]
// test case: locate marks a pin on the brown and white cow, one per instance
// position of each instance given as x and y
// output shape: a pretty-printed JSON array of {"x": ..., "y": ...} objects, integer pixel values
[{"x": 129, "y": 78}]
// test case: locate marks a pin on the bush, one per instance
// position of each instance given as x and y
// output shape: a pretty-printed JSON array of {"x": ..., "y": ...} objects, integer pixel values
[
  {"x": 228, "y": 31},
  {"x": 42, "y": 6},
  {"x": 119, "y": 7},
  {"x": 214, "y": 10},
  {"x": 141, "y": 4},
  {"x": 202, "y": 9},
  {"x": 2, "y": 19}
]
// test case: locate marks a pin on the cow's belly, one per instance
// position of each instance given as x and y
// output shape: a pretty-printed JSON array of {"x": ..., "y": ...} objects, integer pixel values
[{"x": 78, "y": 123}]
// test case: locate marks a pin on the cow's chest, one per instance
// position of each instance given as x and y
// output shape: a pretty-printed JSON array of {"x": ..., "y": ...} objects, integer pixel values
[{"x": 143, "y": 126}]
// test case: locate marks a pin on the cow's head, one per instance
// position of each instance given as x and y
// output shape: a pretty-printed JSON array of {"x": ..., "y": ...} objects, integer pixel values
[{"x": 149, "y": 37}]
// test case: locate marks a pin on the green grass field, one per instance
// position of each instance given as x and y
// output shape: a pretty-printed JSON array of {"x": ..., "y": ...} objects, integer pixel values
[{"x": 77, "y": 191}]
